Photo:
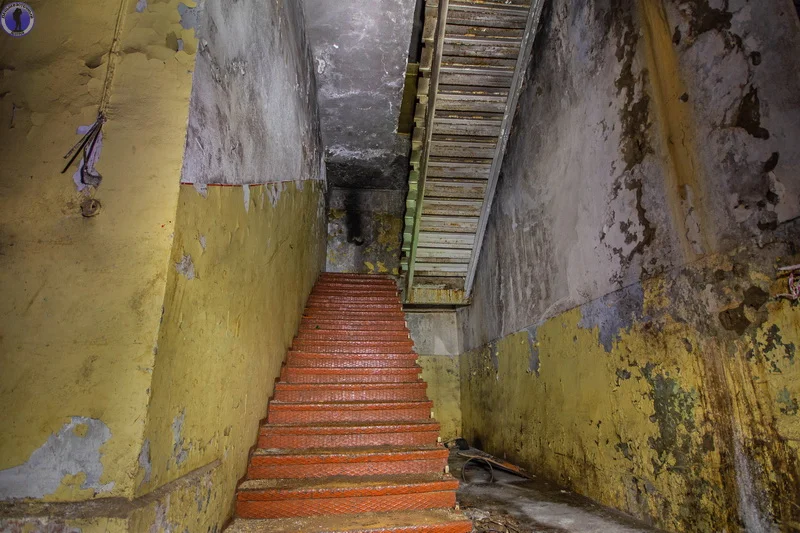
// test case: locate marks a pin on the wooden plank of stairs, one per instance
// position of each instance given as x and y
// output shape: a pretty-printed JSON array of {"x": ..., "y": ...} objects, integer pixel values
[
  {"x": 349, "y": 444},
  {"x": 473, "y": 60}
]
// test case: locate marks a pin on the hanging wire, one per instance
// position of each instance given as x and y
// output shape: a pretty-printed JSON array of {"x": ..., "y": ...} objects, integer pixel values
[{"x": 88, "y": 143}]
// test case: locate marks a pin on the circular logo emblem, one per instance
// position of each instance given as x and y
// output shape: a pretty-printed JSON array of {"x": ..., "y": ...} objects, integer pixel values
[{"x": 17, "y": 19}]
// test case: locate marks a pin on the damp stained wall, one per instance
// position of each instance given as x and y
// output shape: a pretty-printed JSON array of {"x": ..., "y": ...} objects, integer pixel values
[
  {"x": 361, "y": 53},
  {"x": 436, "y": 340},
  {"x": 626, "y": 335},
  {"x": 365, "y": 230},
  {"x": 254, "y": 115},
  {"x": 82, "y": 296}
]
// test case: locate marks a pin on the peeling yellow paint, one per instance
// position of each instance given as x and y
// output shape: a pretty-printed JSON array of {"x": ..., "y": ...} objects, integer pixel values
[
  {"x": 651, "y": 426},
  {"x": 82, "y": 296},
  {"x": 441, "y": 373},
  {"x": 226, "y": 331}
]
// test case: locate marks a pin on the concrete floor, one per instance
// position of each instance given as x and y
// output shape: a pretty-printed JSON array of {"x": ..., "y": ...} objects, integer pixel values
[{"x": 512, "y": 504}]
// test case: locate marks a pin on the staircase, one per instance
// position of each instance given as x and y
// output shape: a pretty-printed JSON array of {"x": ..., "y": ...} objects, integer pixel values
[
  {"x": 349, "y": 444},
  {"x": 473, "y": 63}
]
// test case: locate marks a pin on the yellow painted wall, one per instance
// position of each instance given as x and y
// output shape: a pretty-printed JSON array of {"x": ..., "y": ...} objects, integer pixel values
[
  {"x": 441, "y": 373},
  {"x": 81, "y": 303},
  {"x": 145, "y": 386},
  {"x": 228, "y": 321},
  {"x": 672, "y": 418}
]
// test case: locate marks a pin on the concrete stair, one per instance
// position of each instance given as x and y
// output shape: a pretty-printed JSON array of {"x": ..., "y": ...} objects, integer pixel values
[{"x": 350, "y": 445}]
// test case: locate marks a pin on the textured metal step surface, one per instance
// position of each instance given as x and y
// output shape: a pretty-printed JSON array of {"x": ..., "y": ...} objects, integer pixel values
[
  {"x": 349, "y": 428},
  {"x": 326, "y": 462},
  {"x": 352, "y": 411},
  {"x": 338, "y": 435},
  {"x": 300, "y": 392},
  {"x": 290, "y": 498},
  {"x": 358, "y": 375},
  {"x": 474, "y": 57}
]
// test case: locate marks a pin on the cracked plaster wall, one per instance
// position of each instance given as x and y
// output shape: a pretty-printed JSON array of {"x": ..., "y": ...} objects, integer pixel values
[
  {"x": 361, "y": 52},
  {"x": 625, "y": 314}
]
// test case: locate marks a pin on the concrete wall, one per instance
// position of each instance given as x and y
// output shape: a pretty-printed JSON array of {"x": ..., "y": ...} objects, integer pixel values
[
  {"x": 139, "y": 346},
  {"x": 254, "y": 115},
  {"x": 626, "y": 336},
  {"x": 365, "y": 230},
  {"x": 361, "y": 52},
  {"x": 436, "y": 340}
]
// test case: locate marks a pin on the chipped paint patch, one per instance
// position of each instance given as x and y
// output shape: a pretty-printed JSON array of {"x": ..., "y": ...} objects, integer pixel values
[
  {"x": 613, "y": 313},
  {"x": 201, "y": 188},
  {"x": 68, "y": 453},
  {"x": 144, "y": 461},
  {"x": 185, "y": 267},
  {"x": 246, "y": 195},
  {"x": 180, "y": 451}
]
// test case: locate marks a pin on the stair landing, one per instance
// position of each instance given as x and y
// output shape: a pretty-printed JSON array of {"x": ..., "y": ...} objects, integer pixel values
[{"x": 350, "y": 444}]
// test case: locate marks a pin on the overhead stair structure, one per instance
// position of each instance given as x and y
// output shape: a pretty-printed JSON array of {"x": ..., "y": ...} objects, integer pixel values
[
  {"x": 473, "y": 61},
  {"x": 349, "y": 444}
]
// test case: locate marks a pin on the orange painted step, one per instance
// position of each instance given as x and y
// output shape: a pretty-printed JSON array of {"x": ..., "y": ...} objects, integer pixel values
[
  {"x": 350, "y": 315},
  {"x": 308, "y": 413},
  {"x": 342, "y": 289},
  {"x": 350, "y": 375},
  {"x": 353, "y": 346},
  {"x": 322, "y": 335},
  {"x": 425, "y": 521},
  {"x": 355, "y": 278},
  {"x": 422, "y": 433},
  {"x": 317, "y": 360},
  {"x": 338, "y": 324},
  {"x": 349, "y": 444},
  {"x": 344, "y": 392},
  {"x": 350, "y": 298},
  {"x": 325, "y": 462},
  {"x": 353, "y": 307},
  {"x": 334, "y": 496}
]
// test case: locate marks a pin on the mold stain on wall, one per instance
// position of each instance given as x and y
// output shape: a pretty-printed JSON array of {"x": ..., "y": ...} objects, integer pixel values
[
  {"x": 649, "y": 365},
  {"x": 677, "y": 422}
]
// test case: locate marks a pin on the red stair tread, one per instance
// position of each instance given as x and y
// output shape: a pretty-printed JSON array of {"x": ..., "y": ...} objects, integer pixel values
[
  {"x": 349, "y": 429},
  {"x": 353, "y": 461},
  {"x": 340, "y": 428},
  {"x": 427, "y": 521},
  {"x": 309, "y": 375},
  {"x": 319, "y": 455},
  {"x": 294, "y": 392},
  {"x": 344, "y": 486}
]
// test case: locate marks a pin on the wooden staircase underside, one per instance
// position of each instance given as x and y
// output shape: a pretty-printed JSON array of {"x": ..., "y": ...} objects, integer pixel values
[{"x": 473, "y": 62}]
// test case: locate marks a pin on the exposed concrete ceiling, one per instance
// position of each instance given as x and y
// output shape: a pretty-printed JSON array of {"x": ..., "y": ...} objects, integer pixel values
[{"x": 361, "y": 51}]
